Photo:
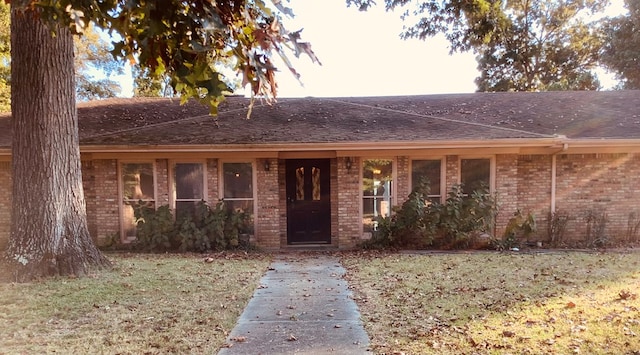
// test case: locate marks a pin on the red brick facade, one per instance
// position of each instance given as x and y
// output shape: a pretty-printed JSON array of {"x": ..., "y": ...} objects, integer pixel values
[{"x": 601, "y": 183}]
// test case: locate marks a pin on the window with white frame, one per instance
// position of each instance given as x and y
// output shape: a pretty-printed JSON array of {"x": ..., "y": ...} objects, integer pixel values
[
  {"x": 377, "y": 192},
  {"x": 429, "y": 171},
  {"x": 138, "y": 186},
  {"x": 237, "y": 181},
  {"x": 188, "y": 188},
  {"x": 475, "y": 174}
]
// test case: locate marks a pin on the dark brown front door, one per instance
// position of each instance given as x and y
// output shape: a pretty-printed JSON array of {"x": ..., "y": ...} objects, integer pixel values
[{"x": 308, "y": 201}]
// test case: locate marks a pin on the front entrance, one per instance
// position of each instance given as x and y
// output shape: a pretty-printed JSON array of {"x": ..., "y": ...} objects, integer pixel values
[{"x": 308, "y": 201}]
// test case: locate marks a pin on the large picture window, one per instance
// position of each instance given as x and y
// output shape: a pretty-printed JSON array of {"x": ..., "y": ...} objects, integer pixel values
[
  {"x": 138, "y": 185},
  {"x": 377, "y": 192},
  {"x": 237, "y": 181},
  {"x": 475, "y": 174},
  {"x": 188, "y": 186},
  {"x": 431, "y": 171}
]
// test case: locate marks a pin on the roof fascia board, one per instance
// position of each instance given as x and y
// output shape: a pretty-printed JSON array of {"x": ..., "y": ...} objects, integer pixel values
[{"x": 353, "y": 146}]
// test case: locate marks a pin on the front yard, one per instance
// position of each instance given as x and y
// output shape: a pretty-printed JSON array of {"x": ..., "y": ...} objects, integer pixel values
[
  {"x": 148, "y": 304},
  {"x": 490, "y": 303},
  {"x": 434, "y": 303}
]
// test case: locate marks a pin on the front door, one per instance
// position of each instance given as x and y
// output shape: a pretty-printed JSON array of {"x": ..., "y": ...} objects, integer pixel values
[{"x": 308, "y": 201}]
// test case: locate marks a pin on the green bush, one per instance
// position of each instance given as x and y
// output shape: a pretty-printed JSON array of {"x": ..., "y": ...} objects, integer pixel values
[
  {"x": 155, "y": 230},
  {"x": 420, "y": 223},
  {"x": 207, "y": 229}
]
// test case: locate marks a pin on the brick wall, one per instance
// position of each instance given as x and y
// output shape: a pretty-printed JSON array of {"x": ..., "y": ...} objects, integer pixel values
[
  {"x": 335, "y": 240},
  {"x": 6, "y": 186},
  {"x": 107, "y": 203},
  {"x": 534, "y": 190},
  {"x": 506, "y": 176},
  {"x": 268, "y": 221},
  {"x": 213, "y": 188},
  {"x": 599, "y": 183},
  {"x": 89, "y": 186},
  {"x": 162, "y": 182},
  {"x": 348, "y": 203},
  {"x": 451, "y": 174},
  {"x": 403, "y": 177}
]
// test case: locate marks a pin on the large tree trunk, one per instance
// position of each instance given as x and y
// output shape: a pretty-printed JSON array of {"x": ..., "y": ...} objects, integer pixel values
[{"x": 49, "y": 234}]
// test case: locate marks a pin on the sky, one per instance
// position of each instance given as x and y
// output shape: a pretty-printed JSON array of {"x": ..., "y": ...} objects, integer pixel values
[{"x": 362, "y": 54}]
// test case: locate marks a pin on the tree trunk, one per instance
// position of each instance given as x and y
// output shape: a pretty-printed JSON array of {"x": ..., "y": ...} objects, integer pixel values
[{"x": 49, "y": 233}]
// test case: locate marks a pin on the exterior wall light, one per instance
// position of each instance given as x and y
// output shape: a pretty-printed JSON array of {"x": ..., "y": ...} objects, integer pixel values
[{"x": 348, "y": 163}]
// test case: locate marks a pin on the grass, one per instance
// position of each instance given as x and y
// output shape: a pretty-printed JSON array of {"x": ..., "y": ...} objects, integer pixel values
[
  {"x": 145, "y": 304},
  {"x": 489, "y": 303},
  {"x": 465, "y": 303}
]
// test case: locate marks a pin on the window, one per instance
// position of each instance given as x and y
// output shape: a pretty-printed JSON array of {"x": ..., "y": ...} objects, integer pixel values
[
  {"x": 138, "y": 184},
  {"x": 237, "y": 180},
  {"x": 314, "y": 183},
  {"x": 475, "y": 174},
  {"x": 377, "y": 192},
  {"x": 188, "y": 187},
  {"x": 430, "y": 170}
]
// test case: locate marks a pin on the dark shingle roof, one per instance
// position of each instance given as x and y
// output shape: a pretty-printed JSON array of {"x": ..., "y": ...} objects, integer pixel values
[{"x": 480, "y": 116}]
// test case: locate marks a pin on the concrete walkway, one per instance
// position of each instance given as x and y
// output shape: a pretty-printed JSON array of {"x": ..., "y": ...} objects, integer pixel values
[{"x": 303, "y": 306}]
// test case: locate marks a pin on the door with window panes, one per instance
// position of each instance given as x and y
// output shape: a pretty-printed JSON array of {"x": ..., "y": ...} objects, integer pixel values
[{"x": 308, "y": 201}]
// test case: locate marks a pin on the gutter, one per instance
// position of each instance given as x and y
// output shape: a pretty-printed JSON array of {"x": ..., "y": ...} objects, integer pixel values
[{"x": 324, "y": 146}]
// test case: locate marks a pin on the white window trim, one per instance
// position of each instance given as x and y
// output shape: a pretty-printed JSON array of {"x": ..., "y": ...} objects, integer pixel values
[
  {"x": 123, "y": 237},
  {"x": 443, "y": 174},
  {"x": 171, "y": 170},
  {"x": 394, "y": 190},
  {"x": 492, "y": 169},
  {"x": 254, "y": 181}
]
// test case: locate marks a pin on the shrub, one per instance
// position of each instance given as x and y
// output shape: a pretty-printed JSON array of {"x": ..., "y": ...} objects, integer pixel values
[
  {"x": 518, "y": 228},
  {"x": 556, "y": 227},
  {"x": 596, "y": 228},
  {"x": 154, "y": 228},
  {"x": 421, "y": 223},
  {"x": 206, "y": 229},
  {"x": 633, "y": 225}
]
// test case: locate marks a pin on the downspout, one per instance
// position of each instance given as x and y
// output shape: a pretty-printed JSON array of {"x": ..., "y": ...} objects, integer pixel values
[{"x": 554, "y": 169}]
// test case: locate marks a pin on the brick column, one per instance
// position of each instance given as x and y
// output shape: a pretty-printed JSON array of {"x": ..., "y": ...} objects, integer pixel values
[
  {"x": 349, "y": 201},
  {"x": 506, "y": 189},
  {"x": 403, "y": 177},
  {"x": 268, "y": 217}
]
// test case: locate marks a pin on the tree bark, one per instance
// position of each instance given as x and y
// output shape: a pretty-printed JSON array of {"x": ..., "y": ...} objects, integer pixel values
[{"x": 49, "y": 233}]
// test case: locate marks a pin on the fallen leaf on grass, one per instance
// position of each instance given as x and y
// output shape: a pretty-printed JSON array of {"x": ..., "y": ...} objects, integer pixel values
[
  {"x": 508, "y": 334},
  {"x": 571, "y": 305},
  {"x": 627, "y": 295}
]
